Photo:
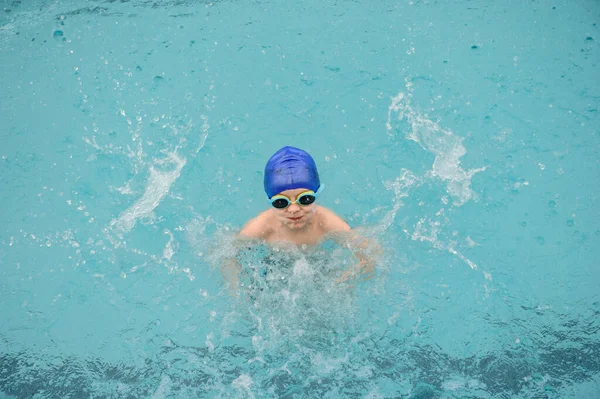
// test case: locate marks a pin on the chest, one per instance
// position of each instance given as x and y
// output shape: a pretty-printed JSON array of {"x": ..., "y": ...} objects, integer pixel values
[{"x": 312, "y": 235}]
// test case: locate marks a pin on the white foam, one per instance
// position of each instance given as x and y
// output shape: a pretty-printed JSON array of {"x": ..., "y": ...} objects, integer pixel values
[
  {"x": 209, "y": 342},
  {"x": 243, "y": 382},
  {"x": 169, "y": 251},
  {"x": 460, "y": 382},
  {"x": 327, "y": 364},
  {"x": 164, "y": 388},
  {"x": 302, "y": 269}
]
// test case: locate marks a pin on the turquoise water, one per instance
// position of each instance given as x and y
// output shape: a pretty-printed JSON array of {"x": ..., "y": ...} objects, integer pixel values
[{"x": 463, "y": 136}]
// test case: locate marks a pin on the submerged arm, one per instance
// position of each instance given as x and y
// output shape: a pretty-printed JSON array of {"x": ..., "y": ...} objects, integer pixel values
[
  {"x": 230, "y": 266},
  {"x": 230, "y": 269},
  {"x": 366, "y": 252}
]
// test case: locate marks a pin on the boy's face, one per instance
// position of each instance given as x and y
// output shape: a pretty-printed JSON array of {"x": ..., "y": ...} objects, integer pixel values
[{"x": 295, "y": 216}]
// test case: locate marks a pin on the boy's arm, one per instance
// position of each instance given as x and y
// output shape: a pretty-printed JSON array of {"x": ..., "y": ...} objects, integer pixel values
[
  {"x": 364, "y": 249},
  {"x": 230, "y": 266},
  {"x": 230, "y": 269},
  {"x": 257, "y": 227}
]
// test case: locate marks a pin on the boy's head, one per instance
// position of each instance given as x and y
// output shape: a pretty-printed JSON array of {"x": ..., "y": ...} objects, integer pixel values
[
  {"x": 289, "y": 174},
  {"x": 288, "y": 169}
]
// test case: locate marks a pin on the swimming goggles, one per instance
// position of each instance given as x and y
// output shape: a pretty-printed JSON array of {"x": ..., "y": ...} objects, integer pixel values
[{"x": 305, "y": 198}]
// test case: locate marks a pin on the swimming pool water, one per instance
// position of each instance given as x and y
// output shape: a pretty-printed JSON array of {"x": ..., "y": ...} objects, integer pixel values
[{"x": 462, "y": 136}]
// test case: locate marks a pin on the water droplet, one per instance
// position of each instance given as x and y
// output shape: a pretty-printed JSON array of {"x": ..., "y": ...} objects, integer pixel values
[
  {"x": 552, "y": 204},
  {"x": 158, "y": 80},
  {"x": 474, "y": 47},
  {"x": 58, "y": 34}
]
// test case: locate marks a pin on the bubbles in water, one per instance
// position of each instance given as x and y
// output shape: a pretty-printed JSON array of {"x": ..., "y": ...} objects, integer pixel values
[{"x": 58, "y": 34}]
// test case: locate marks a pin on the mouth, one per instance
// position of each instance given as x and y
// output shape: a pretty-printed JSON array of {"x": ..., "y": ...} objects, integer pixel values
[{"x": 295, "y": 219}]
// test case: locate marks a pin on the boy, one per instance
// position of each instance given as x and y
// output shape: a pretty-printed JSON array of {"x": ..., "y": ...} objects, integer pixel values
[{"x": 292, "y": 185}]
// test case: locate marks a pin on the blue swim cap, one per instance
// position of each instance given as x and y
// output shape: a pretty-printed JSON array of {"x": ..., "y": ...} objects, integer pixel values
[{"x": 290, "y": 168}]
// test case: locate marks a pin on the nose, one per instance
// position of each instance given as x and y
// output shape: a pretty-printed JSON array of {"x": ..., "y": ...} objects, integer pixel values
[{"x": 293, "y": 208}]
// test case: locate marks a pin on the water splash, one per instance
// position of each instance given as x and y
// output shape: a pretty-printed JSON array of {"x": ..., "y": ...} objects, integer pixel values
[
  {"x": 157, "y": 188},
  {"x": 401, "y": 187},
  {"x": 443, "y": 143},
  {"x": 244, "y": 383},
  {"x": 204, "y": 135},
  {"x": 448, "y": 149}
]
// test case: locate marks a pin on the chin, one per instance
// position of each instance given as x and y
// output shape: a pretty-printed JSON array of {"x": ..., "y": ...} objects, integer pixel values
[{"x": 297, "y": 225}]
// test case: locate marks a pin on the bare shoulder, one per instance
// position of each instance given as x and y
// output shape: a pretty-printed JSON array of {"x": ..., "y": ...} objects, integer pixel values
[
  {"x": 331, "y": 222},
  {"x": 259, "y": 227}
]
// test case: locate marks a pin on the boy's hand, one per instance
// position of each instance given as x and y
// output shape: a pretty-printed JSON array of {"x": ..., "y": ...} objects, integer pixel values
[
  {"x": 366, "y": 251},
  {"x": 230, "y": 268},
  {"x": 365, "y": 269}
]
